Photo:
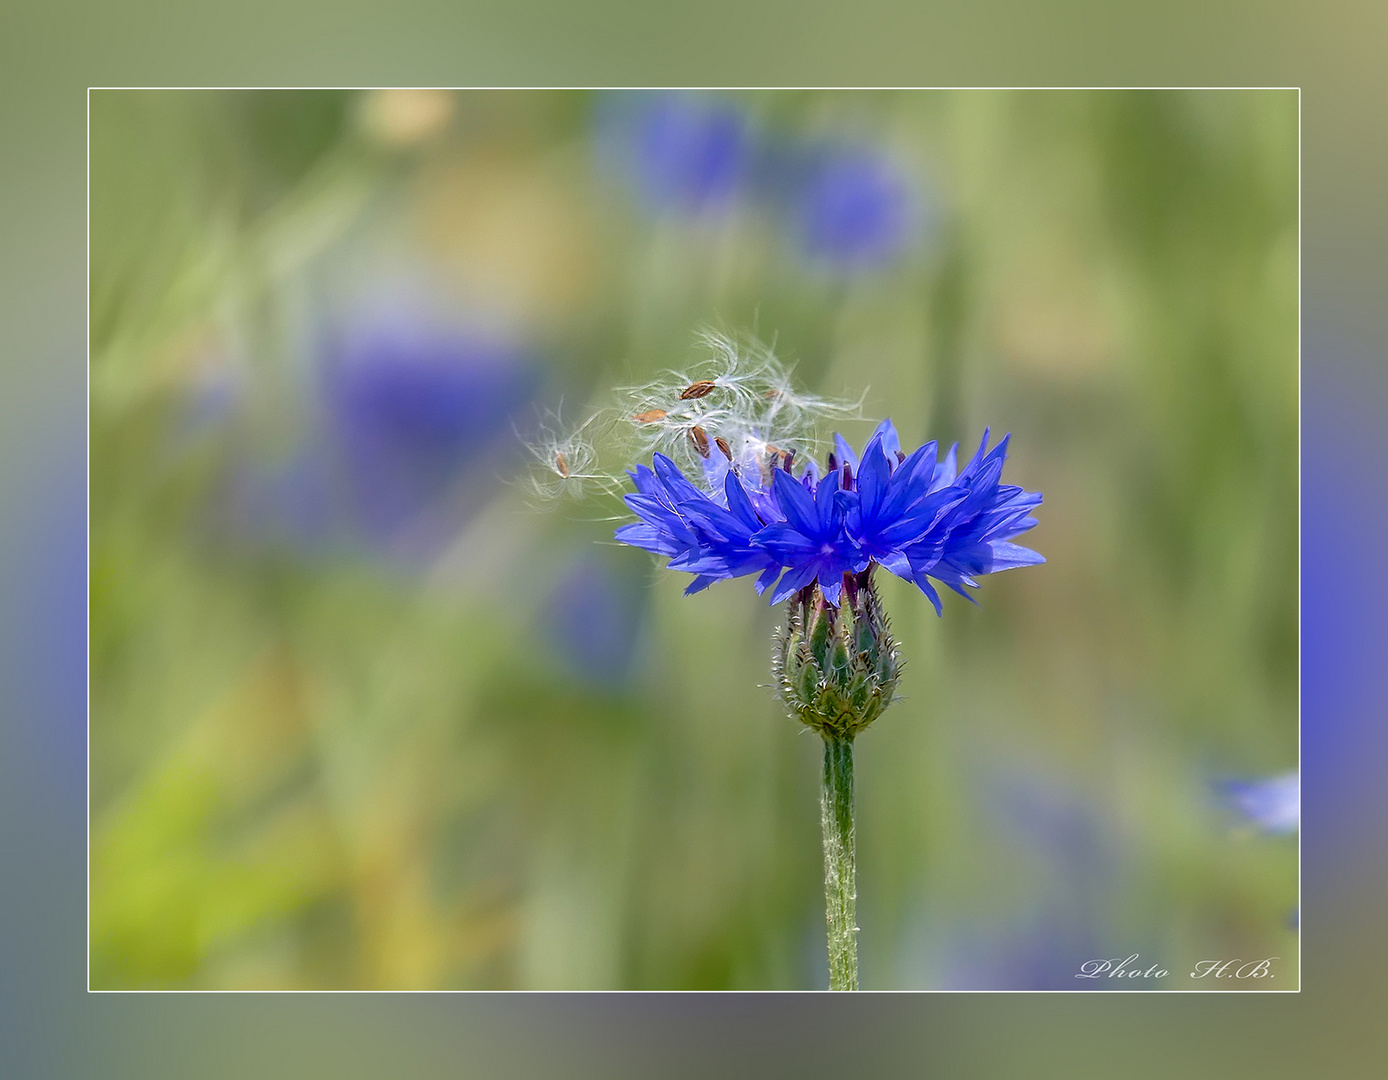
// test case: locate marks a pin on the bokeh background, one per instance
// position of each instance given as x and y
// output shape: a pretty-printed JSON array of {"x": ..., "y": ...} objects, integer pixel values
[
  {"x": 365, "y": 715},
  {"x": 50, "y": 1028}
]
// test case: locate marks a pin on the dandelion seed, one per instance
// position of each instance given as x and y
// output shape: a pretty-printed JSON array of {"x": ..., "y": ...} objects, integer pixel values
[
  {"x": 697, "y": 390},
  {"x": 650, "y": 416},
  {"x": 722, "y": 444},
  {"x": 567, "y": 460},
  {"x": 699, "y": 437}
]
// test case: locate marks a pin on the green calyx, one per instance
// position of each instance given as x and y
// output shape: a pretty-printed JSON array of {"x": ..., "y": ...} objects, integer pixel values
[{"x": 836, "y": 667}]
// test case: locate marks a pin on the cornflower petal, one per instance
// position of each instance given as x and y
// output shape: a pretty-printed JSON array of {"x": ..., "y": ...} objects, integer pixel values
[
  {"x": 886, "y": 434},
  {"x": 845, "y": 453},
  {"x": 793, "y": 581},
  {"x": 797, "y": 504},
  {"x": 738, "y": 502}
]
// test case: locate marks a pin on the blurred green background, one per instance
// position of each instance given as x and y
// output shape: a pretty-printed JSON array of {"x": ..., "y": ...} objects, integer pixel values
[{"x": 363, "y": 716}]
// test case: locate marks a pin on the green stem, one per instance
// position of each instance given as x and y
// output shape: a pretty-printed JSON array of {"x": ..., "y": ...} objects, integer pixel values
[{"x": 840, "y": 886}]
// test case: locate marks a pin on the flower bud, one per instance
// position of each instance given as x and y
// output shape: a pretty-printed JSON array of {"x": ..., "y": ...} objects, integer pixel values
[{"x": 836, "y": 667}]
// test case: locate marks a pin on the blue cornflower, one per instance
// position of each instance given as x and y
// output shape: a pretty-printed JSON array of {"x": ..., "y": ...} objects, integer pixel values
[{"x": 913, "y": 514}]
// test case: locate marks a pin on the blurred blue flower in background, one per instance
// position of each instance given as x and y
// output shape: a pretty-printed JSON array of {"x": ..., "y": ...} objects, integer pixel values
[
  {"x": 412, "y": 411},
  {"x": 844, "y": 203},
  {"x": 414, "y": 420},
  {"x": 593, "y": 619},
  {"x": 1272, "y": 804},
  {"x": 849, "y": 204},
  {"x": 682, "y": 152}
]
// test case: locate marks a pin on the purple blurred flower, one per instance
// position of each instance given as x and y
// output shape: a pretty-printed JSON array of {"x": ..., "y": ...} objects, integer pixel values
[
  {"x": 410, "y": 413},
  {"x": 413, "y": 419},
  {"x": 1273, "y": 804},
  {"x": 593, "y": 620},
  {"x": 848, "y": 204},
  {"x": 682, "y": 152}
]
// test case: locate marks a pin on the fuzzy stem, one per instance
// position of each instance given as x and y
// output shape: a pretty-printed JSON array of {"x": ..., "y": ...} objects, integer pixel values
[{"x": 840, "y": 888}]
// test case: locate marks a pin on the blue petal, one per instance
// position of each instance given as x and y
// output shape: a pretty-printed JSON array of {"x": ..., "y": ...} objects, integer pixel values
[
  {"x": 699, "y": 584},
  {"x": 911, "y": 480},
  {"x": 1009, "y": 556},
  {"x": 768, "y": 578},
  {"x": 716, "y": 467},
  {"x": 946, "y": 470},
  {"x": 786, "y": 544},
  {"x": 873, "y": 477},
  {"x": 738, "y": 502},
  {"x": 1000, "y": 451},
  {"x": 995, "y": 556},
  {"x": 674, "y": 480},
  {"x": 845, "y": 453},
  {"x": 644, "y": 480},
  {"x": 794, "y": 580},
  {"x": 648, "y": 538},
  {"x": 922, "y": 520},
  {"x": 829, "y": 511},
  {"x": 977, "y": 459},
  {"x": 796, "y": 503},
  {"x": 886, "y": 432},
  {"x": 924, "y": 585},
  {"x": 897, "y": 563}
]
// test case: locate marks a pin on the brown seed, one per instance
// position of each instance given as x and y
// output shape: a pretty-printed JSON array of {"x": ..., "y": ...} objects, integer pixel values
[
  {"x": 697, "y": 390},
  {"x": 650, "y": 416},
  {"x": 699, "y": 437},
  {"x": 723, "y": 445},
  {"x": 561, "y": 464}
]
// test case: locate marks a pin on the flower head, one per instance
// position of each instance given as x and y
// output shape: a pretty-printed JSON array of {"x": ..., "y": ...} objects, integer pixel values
[{"x": 915, "y": 515}]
